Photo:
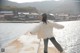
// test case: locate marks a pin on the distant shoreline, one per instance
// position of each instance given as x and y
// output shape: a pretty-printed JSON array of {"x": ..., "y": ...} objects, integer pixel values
[
  {"x": 31, "y": 21},
  {"x": 34, "y": 21}
]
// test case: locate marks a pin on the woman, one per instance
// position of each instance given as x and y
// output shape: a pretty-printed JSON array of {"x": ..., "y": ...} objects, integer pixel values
[{"x": 45, "y": 30}]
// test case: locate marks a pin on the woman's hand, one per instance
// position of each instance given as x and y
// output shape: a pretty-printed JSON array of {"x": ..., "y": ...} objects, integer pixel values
[{"x": 28, "y": 33}]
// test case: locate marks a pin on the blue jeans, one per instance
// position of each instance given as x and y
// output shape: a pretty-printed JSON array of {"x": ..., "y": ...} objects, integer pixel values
[{"x": 56, "y": 44}]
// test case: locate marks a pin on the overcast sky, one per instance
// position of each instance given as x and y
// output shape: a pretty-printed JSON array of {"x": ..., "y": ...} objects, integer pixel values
[{"x": 22, "y": 1}]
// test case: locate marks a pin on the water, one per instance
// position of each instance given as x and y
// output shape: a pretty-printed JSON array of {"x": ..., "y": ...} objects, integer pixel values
[{"x": 69, "y": 37}]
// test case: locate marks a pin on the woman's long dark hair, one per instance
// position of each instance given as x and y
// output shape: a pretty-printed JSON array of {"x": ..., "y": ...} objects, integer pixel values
[{"x": 44, "y": 18}]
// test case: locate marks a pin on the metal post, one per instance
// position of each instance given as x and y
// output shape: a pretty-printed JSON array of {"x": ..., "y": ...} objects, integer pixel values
[{"x": 2, "y": 49}]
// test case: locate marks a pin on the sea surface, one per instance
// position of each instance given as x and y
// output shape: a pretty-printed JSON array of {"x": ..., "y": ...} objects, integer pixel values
[{"x": 69, "y": 37}]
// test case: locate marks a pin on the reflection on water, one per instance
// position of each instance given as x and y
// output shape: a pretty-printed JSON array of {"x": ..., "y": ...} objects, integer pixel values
[{"x": 68, "y": 37}]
